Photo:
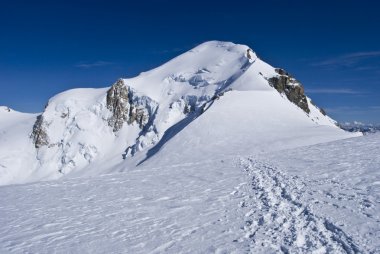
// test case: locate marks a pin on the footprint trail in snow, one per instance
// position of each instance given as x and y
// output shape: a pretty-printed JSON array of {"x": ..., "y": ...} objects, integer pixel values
[{"x": 277, "y": 220}]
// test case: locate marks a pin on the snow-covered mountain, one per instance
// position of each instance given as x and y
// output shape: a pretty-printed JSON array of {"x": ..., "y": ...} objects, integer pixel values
[
  {"x": 360, "y": 127},
  {"x": 218, "y": 99}
]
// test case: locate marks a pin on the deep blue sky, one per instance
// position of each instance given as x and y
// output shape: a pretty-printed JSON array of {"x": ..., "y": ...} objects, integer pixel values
[{"x": 332, "y": 47}]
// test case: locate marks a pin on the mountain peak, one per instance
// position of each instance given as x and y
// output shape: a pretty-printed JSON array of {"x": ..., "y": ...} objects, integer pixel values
[
  {"x": 209, "y": 45},
  {"x": 218, "y": 96},
  {"x": 199, "y": 71}
]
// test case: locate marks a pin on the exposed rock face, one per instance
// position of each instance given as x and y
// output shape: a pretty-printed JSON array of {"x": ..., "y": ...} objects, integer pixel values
[
  {"x": 125, "y": 107},
  {"x": 118, "y": 104},
  {"x": 322, "y": 111},
  {"x": 281, "y": 71},
  {"x": 294, "y": 91},
  {"x": 40, "y": 138},
  {"x": 138, "y": 115},
  {"x": 249, "y": 53}
]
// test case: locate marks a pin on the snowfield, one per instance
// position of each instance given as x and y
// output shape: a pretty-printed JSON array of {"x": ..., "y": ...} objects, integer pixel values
[
  {"x": 215, "y": 151},
  {"x": 322, "y": 198}
]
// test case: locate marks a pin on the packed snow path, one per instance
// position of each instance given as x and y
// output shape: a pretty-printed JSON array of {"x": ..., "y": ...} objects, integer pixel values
[
  {"x": 277, "y": 219},
  {"x": 260, "y": 204},
  {"x": 342, "y": 181}
]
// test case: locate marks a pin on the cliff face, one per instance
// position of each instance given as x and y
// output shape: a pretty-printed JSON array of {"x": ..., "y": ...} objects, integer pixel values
[
  {"x": 118, "y": 104},
  {"x": 128, "y": 108},
  {"x": 39, "y": 135},
  {"x": 294, "y": 91}
]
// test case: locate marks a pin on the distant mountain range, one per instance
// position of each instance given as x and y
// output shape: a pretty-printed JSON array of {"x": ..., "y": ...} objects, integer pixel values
[{"x": 360, "y": 127}]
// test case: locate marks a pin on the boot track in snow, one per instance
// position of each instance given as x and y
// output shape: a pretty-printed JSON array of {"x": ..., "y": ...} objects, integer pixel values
[{"x": 278, "y": 221}]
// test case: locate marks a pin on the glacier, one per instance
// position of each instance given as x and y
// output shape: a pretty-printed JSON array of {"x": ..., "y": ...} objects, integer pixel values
[{"x": 215, "y": 151}]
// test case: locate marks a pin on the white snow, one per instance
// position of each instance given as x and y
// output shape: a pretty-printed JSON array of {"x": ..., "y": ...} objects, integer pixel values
[
  {"x": 242, "y": 123},
  {"x": 344, "y": 179},
  {"x": 226, "y": 165},
  {"x": 290, "y": 201},
  {"x": 17, "y": 154},
  {"x": 248, "y": 112}
]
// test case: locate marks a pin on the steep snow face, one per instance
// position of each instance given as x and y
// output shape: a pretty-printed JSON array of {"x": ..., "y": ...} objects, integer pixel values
[{"x": 217, "y": 96}]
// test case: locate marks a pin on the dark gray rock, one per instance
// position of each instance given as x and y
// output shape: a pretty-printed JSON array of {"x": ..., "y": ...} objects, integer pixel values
[
  {"x": 125, "y": 107},
  {"x": 281, "y": 71},
  {"x": 294, "y": 91},
  {"x": 249, "y": 53},
  {"x": 138, "y": 115},
  {"x": 322, "y": 111},
  {"x": 118, "y": 104},
  {"x": 188, "y": 109},
  {"x": 39, "y": 135}
]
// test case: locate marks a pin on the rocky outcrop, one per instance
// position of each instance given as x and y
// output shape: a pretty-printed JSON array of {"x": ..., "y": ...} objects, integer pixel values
[
  {"x": 323, "y": 112},
  {"x": 138, "y": 115},
  {"x": 39, "y": 135},
  {"x": 126, "y": 107},
  {"x": 281, "y": 71},
  {"x": 294, "y": 91},
  {"x": 118, "y": 104}
]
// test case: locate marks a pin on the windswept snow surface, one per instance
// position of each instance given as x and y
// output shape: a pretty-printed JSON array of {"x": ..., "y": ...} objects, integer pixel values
[{"x": 317, "y": 199}]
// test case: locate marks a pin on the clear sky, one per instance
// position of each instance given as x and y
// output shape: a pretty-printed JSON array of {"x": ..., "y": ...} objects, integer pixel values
[{"x": 332, "y": 47}]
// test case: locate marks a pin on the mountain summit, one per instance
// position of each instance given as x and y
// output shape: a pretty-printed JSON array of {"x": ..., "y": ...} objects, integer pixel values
[{"x": 218, "y": 99}]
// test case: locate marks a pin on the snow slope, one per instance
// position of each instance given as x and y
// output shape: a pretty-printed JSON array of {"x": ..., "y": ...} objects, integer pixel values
[
  {"x": 217, "y": 98},
  {"x": 242, "y": 123},
  {"x": 17, "y": 154},
  {"x": 290, "y": 201}
]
